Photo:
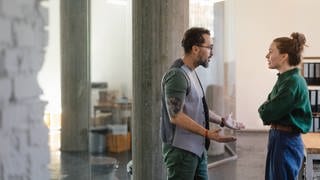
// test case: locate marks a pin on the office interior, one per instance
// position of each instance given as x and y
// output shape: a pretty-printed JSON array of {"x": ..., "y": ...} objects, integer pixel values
[{"x": 110, "y": 129}]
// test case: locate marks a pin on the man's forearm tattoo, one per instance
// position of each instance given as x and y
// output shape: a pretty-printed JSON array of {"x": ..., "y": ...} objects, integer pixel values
[{"x": 174, "y": 106}]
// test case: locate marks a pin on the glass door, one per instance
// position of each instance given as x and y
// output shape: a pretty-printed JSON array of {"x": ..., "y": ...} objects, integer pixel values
[{"x": 111, "y": 89}]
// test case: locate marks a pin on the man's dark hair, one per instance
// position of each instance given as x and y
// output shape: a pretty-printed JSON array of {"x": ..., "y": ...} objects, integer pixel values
[{"x": 193, "y": 36}]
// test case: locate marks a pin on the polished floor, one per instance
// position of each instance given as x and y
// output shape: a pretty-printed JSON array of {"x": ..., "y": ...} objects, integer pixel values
[{"x": 249, "y": 162}]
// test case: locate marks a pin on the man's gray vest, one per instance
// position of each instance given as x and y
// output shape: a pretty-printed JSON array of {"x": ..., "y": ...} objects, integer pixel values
[{"x": 167, "y": 129}]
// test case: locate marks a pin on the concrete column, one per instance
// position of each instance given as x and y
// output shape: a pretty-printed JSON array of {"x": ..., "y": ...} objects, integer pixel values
[
  {"x": 158, "y": 28},
  {"x": 75, "y": 75}
]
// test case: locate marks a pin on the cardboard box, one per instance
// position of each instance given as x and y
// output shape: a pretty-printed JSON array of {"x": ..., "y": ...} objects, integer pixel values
[{"x": 118, "y": 143}]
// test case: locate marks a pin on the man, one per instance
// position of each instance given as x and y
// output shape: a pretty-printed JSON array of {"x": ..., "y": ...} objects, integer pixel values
[{"x": 185, "y": 116}]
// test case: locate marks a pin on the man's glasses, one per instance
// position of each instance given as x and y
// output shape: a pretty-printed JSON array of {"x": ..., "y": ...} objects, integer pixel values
[{"x": 208, "y": 47}]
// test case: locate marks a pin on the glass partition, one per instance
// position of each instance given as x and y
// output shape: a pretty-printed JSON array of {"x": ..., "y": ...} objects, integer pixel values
[
  {"x": 109, "y": 126},
  {"x": 63, "y": 164},
  {"x": 109, "y": 136},
  {"x": 218, "y": 78},
  {"x": 111, "y": 88}
]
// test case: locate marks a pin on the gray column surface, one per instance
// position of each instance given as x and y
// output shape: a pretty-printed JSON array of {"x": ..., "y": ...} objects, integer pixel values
[
  {"x": 75, "y": 75},
  {"x": 158, "y": 27}
]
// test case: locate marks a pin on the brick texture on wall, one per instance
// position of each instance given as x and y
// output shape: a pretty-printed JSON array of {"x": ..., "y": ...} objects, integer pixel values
[{"x": 24, "y": 151}]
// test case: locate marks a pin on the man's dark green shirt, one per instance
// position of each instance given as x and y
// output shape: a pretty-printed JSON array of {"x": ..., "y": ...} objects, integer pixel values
[{"x": 288, "y": 103}]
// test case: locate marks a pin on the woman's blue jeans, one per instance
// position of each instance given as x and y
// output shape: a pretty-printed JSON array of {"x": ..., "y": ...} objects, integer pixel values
[{"x": 285, "y": 155}]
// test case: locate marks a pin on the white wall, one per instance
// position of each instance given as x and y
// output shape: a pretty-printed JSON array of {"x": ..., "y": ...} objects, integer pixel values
[
  {"x": 111, "y": 49},
  {"x": 49, "y": 76},
  {"x": 256, "y": 24}
]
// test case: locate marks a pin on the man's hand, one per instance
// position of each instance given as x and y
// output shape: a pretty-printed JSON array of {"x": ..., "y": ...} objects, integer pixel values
[
  {"x": 231, "y": 123},
  {"x": 214, "y": 135}
]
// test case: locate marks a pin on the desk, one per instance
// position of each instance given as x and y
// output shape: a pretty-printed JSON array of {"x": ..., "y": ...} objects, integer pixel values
[
  {"x": 311, "y": 143},
  {"x": 118, "y": 110},
  {"x": 105, "y": 107}
]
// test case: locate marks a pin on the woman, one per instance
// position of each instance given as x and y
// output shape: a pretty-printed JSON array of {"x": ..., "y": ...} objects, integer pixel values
[{"x": 287, "y": 109}]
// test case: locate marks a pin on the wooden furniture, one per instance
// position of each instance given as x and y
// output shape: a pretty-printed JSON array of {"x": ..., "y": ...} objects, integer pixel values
[
  {"x": 116, "y": 128},
  {"x": 118, "y": 143},
  {"x": 311, "y": 143},
  {"x": 109, "y": 107}
]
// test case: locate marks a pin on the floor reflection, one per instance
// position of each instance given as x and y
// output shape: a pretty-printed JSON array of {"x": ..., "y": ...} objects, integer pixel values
[
  {"x": 250, "y": 162},
  {"x": 85, "y": 166}
]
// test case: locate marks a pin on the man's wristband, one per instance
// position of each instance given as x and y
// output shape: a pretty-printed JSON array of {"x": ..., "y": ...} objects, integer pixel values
[
  {"x": 222, "y": 122},
  {"x": 206, "y": 133}
]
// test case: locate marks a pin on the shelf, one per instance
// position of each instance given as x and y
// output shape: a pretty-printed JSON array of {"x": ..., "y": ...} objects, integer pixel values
[
  {"x": 313, "y": 87},
  {"x": 311, "y": 59},
  {"x": 316, "y": 114},
  {"x": 310, "y": 70},
  {"x": 311, "y": 75}
]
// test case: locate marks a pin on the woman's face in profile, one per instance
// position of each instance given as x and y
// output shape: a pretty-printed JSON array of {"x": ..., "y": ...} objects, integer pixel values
[{"x": 274, "y": 58}]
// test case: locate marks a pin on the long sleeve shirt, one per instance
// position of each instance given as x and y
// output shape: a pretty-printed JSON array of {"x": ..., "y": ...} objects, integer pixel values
[{"x": 288, "y": 103}]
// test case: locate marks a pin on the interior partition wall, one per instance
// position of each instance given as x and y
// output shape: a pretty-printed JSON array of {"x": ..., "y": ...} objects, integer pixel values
[{"x": 116, "y": 51}]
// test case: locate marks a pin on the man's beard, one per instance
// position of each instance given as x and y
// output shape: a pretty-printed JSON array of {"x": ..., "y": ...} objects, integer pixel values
[{"x": 204, "y": 63}]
